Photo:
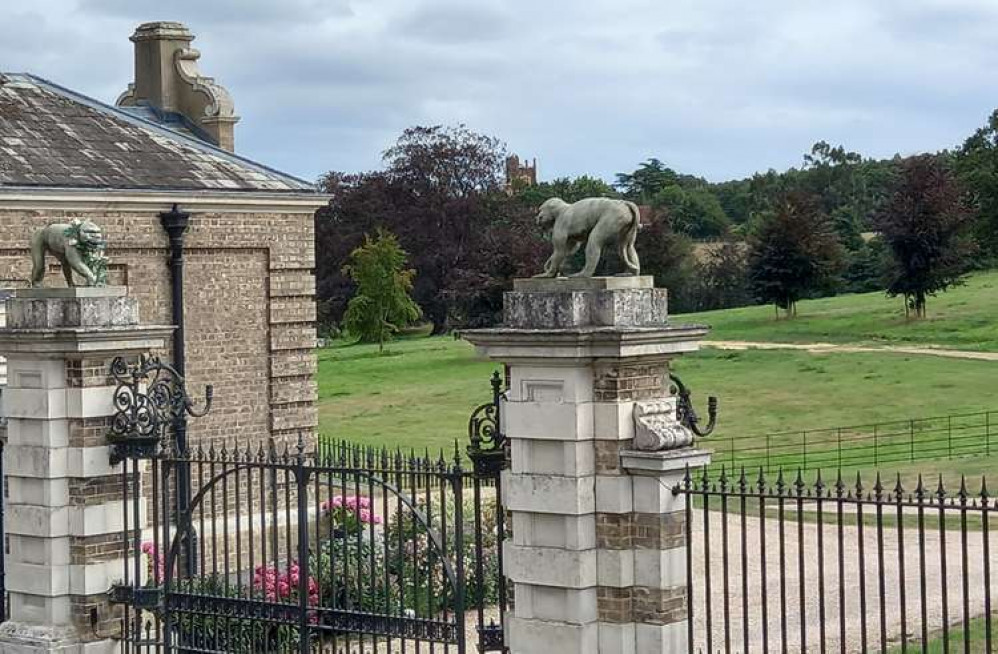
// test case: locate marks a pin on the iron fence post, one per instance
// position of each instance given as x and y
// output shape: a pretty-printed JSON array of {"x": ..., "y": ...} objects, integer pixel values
[
  {"x": 839, "y": 431},
  {"x": 3, "y": 540},
  {"x": 458, "y": 473},
  {"x": 876, "y": 447},
  {"x": 301, "y": 481}
]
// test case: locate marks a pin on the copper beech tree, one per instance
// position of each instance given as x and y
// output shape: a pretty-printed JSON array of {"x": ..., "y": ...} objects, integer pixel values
[
  {"x": 926, "y": 224},
  {"x": 793, "y": 253},
  {"x": 441, "y": 193}
]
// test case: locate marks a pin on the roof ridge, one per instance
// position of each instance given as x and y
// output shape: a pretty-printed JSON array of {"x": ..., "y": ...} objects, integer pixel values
[{"x": 144, "y": 123}]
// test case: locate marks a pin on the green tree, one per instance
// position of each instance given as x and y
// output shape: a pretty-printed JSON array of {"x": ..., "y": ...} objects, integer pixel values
[
  {"x": 644, "y": 183},
  {"x": 568, "y": 189},
  {"x": 668, "y": 257},
  {"x": 793, "y": 253},
  {"x": 695, "y": 212},
  {"x": 926, "y": 225},
  {"x": 382, "y": 304},
  {"x": 976, "y": 165}
]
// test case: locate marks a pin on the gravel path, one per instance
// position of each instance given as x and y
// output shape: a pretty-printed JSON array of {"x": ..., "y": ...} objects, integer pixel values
[
  {"x": 837, "y": 347},
  {"x": 941, "y": 578}
]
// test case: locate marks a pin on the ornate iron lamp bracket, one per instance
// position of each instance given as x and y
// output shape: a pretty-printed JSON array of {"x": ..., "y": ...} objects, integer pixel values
[
  {"x": 149, "y": 398},
  {"x": 686, "y": 414},
  {"x": 487, "y": 449}
]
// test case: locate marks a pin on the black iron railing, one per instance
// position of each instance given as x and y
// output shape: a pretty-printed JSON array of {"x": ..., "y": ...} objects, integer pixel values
[
  {"x": 877, "y": 444},
  {"x": 837, "y": 565},
  {"x": 351, "y": 550}
]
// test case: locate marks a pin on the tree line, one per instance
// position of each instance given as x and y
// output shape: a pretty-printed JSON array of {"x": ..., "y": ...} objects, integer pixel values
[{"x": 840, "y": 222}]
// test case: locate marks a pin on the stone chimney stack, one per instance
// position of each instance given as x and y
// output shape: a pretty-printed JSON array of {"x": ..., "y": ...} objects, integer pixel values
[{"x": 168, "y": 82}]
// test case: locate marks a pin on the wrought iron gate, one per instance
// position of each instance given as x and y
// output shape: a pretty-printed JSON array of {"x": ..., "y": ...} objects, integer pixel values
[{"x": 345, "y": 549}]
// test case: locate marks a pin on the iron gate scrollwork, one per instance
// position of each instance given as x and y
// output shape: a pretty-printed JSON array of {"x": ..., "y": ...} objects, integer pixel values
[
  {"x": 346, "y": 549},
  {"x": 488, "y": 450},
  {"x": 149, "y": 398}
]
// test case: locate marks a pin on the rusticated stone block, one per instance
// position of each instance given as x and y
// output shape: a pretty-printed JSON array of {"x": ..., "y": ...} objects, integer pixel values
[
  {"x": 588, "y": 302},
  {"x": 53, "y": 308}
]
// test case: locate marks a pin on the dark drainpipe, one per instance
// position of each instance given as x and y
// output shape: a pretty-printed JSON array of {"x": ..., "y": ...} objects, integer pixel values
[{"x": 175, "y": 223}]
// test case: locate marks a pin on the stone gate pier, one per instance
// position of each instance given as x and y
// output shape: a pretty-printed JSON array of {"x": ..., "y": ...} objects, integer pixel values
[
  {"x": 65, "y": 514},
  {"x": 598, "y": 553}
]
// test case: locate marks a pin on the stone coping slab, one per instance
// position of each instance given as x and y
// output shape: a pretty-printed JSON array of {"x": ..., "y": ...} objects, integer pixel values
[
  {"x": 71, "y": 292},
  {"x": 568, "y": 284},
  {"x": 83, "y": 340},
  {"x": 650, "y": 463},
  {"x": 578, "y": 343}
]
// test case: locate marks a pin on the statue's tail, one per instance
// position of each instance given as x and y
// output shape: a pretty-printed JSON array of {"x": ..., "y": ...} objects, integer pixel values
[
  {"x": 630, "y": 254},
  {"x": 635, "y": 218}
]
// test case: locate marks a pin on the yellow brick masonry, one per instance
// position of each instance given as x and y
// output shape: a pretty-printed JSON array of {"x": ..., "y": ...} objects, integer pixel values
[{"x": 250, "y": 308}]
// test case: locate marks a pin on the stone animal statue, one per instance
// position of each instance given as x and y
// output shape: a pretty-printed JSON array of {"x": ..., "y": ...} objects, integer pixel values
[
  {"x": 79, "y": 246},
  {"x": 599, "y": 222}
]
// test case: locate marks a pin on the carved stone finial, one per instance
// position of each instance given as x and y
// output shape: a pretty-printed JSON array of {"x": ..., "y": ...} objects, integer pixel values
[
  {"x": 595, "y": 223},
  {"x": 656, "y": 427},
  {"x": 167, "y": 79},
  {"x": 79, "y": 246}
]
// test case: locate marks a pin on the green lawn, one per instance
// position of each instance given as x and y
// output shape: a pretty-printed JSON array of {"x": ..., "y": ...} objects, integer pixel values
[
  {"x": 978, "y": 640},
  {"x": 962, "y": 318},
  {"x": 420, "y": 395}
]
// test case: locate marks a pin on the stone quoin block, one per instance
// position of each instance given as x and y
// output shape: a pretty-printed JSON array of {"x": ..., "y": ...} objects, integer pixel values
[
  {"x": 617, "y": 638},
  {"x": 539, "y": 383},
  {"x": 660, "y": 568},
  {"x": 569, "y": 605},
  {"x": 550, "y": 421},
  {"x": 568, "y": 532},
  {"x": 544, "y": 457},
  {"x": 543, "y": 636},
  {"x": 562, "y": 495},
  {"x": 614, "y": 494},
  {"x": 550, "y": 566}
]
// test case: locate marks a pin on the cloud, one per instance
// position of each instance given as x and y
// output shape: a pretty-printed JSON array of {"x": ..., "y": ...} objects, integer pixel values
[
  {"x": 714, "y": 87},
  {"x": 454, "y": 24}
]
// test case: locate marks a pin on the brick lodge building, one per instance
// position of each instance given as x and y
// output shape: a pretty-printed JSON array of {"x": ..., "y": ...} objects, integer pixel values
[{"x": 248, "y": 252}]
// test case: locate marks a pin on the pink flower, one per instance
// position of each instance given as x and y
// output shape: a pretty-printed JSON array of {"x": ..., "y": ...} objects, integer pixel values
[{"x": 156, "y": 566}]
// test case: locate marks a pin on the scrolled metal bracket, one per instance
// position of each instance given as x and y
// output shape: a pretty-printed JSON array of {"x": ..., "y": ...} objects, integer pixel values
[
  {"x": 487, "y": 448},
  {"x": 687, "y": 415},
  {"x": 149, "y": 398}
]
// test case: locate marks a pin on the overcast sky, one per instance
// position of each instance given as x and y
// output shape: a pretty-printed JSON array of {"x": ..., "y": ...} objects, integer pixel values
[{"x": 719, "y": 88}]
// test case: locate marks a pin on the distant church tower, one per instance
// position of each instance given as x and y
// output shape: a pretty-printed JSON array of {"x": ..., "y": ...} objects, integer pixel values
[{"x": 526, "y": 173}]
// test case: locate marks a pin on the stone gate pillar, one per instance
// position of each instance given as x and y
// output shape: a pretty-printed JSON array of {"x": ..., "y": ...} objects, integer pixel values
[
  {"x": 64, "y": 500},
  {"x": 597, "y": 557}
]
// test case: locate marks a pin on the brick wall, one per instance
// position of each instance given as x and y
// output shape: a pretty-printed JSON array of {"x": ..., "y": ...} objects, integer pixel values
[{"x": 250, "y": 307}]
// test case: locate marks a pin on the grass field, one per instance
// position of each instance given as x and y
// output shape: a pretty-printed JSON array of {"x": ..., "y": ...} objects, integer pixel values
[
  {"x": 976, "y": 636},
  {"x": 420, "y": 395},
  {"x": 962, "y": 318}
]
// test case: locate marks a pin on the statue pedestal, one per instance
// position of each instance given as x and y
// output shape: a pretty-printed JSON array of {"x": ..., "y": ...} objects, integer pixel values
[
  {"x": 597, "y": 559},
  {"x": 65, "y": 513}
]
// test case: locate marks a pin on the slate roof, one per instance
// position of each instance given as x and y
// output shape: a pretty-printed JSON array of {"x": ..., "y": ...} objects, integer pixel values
[{"x": 52, "y": 137}]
